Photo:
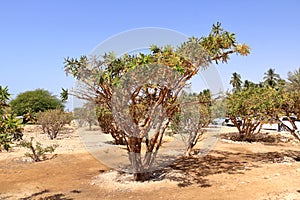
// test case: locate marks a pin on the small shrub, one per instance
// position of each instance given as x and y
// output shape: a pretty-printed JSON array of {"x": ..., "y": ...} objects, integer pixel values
[
  {"x": 52, "y": 121},
  {"x": 38, "y": 153}
]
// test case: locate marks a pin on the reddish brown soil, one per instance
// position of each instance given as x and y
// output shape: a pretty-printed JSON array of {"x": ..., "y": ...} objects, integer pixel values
[{"x": 230, "y": 171}]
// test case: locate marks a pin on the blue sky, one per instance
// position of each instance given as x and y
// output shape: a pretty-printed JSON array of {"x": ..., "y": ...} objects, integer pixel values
[{"x": 36, "y": 36}]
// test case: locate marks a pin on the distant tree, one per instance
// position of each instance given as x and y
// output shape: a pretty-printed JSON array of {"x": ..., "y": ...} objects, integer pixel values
[
  {"x": 271, "y": 78},
  {"x": 253, "y": 106},
  {"x": 261, "y": 103},
  {"x": 288, "y": 105},
  {"x": 289, "y": 102},
  {"x": 194, "y": 115},
  {"x": 29, "y": 103},
  {"x": 86, "y": 114},
  {"x": 53, "y": 121},
  {"x": 236, "y": 82}
]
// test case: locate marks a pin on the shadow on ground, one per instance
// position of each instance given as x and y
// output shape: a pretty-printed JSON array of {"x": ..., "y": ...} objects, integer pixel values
[
  {"x": 45, "y": 195},
  {"x": 193, "y": 170}
]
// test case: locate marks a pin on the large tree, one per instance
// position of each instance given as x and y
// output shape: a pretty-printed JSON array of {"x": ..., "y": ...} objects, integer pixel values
[
  {"x": 142, "y": 90},
  {"x": 31, "y": 102}
]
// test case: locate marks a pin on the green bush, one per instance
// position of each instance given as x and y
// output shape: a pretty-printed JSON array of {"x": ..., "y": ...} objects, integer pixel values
[
  {"x": 52, "y": 121},
  {"x": 10, "y": 129}
]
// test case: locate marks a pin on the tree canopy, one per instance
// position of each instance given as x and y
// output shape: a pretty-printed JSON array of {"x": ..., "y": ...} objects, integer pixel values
[{"x": 31, "y": 102}]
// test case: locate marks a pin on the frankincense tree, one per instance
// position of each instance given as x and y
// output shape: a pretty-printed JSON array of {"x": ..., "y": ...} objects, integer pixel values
[{"x": 140, "y": 92}]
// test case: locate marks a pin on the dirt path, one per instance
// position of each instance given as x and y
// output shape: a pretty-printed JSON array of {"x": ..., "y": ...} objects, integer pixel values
[{"x": 230, "y": 171}]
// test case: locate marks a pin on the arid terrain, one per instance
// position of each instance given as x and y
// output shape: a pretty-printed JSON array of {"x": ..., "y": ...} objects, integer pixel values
[{"x": 232, "y": 170}]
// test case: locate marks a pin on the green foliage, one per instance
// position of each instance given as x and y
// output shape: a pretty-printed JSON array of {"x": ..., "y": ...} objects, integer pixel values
[
  {"x": 221, "y": 43},
  {"x": 4, "y": 97},
  {"x": 10, "y": 129},
  {"x": 256, "y": 104},
  {"x": 64, "y": 95},
  {"x": 38, "y": 153},
  {"x": 52, "y": 121},
  {"x": 29, "y": 103},
  {"x": 289, "y": 105},
  {"x": 253, "y": 106}
]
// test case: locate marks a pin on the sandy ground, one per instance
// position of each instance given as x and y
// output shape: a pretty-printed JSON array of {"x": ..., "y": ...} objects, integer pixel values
[{"x": 232, "y": 170}]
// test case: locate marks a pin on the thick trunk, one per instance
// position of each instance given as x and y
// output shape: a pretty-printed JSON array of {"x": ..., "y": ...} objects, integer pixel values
[
  {"x": 191, "y": 143},
  {"x": 139, "y": 172},
  {"x": 141, "y": 177}
]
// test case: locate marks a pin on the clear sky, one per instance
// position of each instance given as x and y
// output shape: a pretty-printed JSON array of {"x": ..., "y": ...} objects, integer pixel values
[{"x": 36, "y": 36}]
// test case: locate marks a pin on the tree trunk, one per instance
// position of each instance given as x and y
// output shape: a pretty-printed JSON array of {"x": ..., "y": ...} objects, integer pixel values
[
  {"x": 140, "y": 170},
  {"x": 141, "y": 177},
  {"x": 191, "y": 143}
]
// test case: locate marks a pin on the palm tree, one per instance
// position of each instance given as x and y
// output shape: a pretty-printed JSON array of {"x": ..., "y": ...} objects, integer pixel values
[
  {"x": 236, "y": 82},
  {"x": 271, "y": 78}
]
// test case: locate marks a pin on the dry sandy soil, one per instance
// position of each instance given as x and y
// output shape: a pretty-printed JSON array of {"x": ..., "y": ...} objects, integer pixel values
[{"x": 232, "y": 170}]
